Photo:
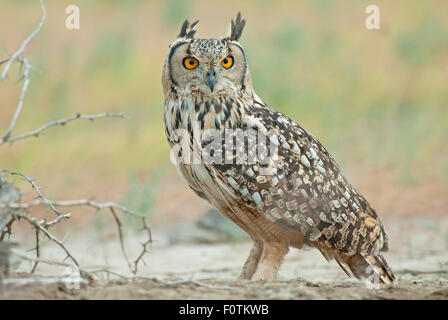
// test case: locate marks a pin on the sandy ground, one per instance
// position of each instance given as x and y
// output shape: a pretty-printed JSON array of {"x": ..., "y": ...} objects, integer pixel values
[{"x": 419, "y": 258}]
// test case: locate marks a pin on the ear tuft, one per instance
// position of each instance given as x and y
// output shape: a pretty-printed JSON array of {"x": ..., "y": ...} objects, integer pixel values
[
  {"x": 236, "y": 28},
  {"x": 188, "y": 31}
]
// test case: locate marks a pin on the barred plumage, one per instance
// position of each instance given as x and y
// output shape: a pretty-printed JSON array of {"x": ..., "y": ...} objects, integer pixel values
[{"x": 292, "y": 197}]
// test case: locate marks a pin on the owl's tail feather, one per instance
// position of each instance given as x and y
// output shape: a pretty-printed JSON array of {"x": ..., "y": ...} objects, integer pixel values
[{"x": 373, "y": 269}]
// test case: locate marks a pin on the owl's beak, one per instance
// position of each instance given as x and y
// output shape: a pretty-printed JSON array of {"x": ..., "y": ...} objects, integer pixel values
[{"x": 211, "y": 79}]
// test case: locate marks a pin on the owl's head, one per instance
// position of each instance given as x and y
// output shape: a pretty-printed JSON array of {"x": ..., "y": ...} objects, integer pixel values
[{"x": 207, "y": 67}]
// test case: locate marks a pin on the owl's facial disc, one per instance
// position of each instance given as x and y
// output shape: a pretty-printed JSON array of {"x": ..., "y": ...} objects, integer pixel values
[{"x": 209, "y": 66}]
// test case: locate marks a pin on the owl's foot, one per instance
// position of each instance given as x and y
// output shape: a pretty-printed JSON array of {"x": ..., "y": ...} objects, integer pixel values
[
  {"x": 270, "y": 261},
  {"x": 266, "y": 275},
  {"x": 251, "y": 264}
]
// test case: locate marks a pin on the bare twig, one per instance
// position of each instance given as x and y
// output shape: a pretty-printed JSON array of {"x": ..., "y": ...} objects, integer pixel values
[
  {"x": 43, "y": 226},
  {"x": 39, "y": 227},
  {"x": 106, "y": 271},
  {"x": 7, "y": 230},
  {"x": 37, "y": 251},
  {"x": 174, "y": 283},
  {"x": 24, "y": 43},
  {"x": 120, "y": 235},
  {"x": 112, "y": 206},
  {"x": 20, "y": 103},
  {"x": 36, "y": 188},
  {"x": 61, "y": 122},
  {"x": 82, "y": 272},
  {"x": 144, "y": 246},
  {"x": 189, "y": 281},
  {"x": 46, "y": 261},
  {"x": 88, "y": 272},
  {"x": 24, "y": 61},
  {"x": 71, "y": 203},
  {"x": 43, "y": 280}
]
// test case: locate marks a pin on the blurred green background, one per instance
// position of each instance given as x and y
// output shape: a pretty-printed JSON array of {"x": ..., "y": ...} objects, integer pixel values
[{"x": 375, "y": 98}]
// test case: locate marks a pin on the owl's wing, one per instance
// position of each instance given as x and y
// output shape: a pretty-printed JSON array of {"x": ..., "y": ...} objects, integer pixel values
[{"x": 304, "y": 190}]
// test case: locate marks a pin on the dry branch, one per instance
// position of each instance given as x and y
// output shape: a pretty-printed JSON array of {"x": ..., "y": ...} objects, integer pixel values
[
  {"x": 43, "y": 280},
  {"x": 145, "y": 245},
  {"x": 20, "y": 103},
  {"x": 71, "y": 203},
  {"x": 26, "y": 79},
  {"x": 20, "y": 210},
  {"x": 61, "y": 122},
  {"x": 89, "y": 274},
  {"x": 189, "y": 281},
  {"x": 15, "y": 58},
  {"x": 120, "y": 236},
  {"x": 32, "y": 221},
  {"x": 37, "y": 248},
  {"x": 36, "y": 188},
  {"x": 43, "y": 225}
]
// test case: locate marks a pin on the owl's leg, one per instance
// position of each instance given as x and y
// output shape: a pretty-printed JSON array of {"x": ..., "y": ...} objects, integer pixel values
[
  {"x": 251, "y": 264},
  {"x": 270, "y": 261}
]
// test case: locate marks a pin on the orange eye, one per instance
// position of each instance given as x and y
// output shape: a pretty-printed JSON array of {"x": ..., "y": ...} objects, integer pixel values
[
  {"x": 227, "y": 62},
  {"x": 190, "y": 63}
]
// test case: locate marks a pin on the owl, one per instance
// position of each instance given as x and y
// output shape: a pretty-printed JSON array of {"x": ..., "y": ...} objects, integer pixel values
[{"x": 258, "y": 167}]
